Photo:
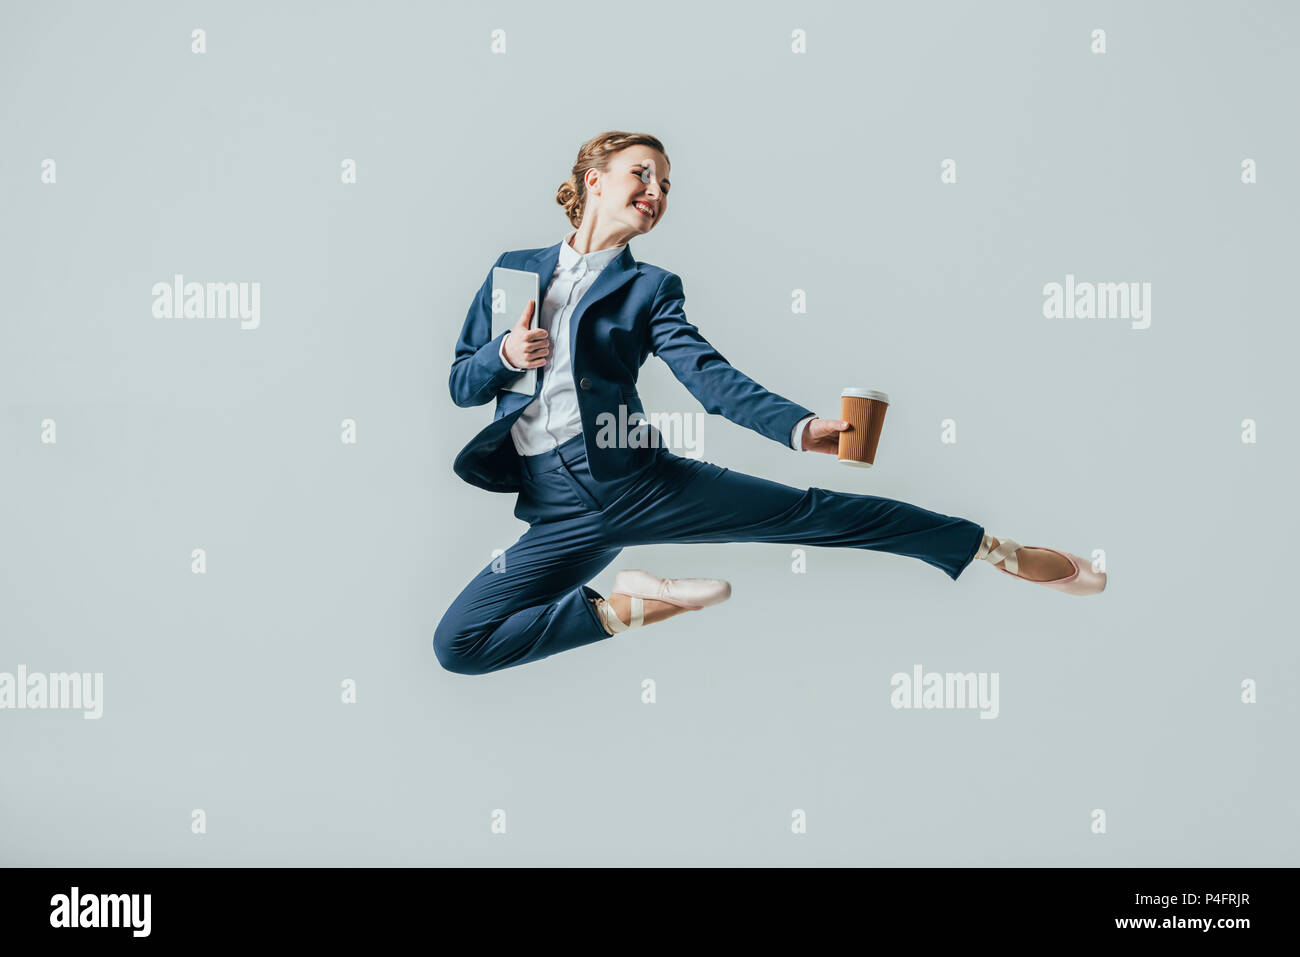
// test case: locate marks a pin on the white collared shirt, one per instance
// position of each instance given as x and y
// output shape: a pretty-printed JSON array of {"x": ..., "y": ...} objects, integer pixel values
[{"x": 553, "y": 417}]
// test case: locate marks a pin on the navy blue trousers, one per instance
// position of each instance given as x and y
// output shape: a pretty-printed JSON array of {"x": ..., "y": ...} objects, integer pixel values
[{"x": 532, "y": 601}]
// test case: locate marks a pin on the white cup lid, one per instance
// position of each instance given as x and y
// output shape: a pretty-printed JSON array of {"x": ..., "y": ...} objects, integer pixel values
[{"x": 867, "y": 394}]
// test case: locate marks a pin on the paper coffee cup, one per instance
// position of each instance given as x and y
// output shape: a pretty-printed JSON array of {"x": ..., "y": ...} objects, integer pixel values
[{"x": 864, "y": 409}]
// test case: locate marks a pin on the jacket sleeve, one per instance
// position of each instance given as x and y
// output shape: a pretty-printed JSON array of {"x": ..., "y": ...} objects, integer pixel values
[
  {"x": 478, "y": 372},
  {"x": 720, "y": 387}
]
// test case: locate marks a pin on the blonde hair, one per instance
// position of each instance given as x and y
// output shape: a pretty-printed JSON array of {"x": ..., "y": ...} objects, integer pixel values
[{"x": 595, "y": 154}]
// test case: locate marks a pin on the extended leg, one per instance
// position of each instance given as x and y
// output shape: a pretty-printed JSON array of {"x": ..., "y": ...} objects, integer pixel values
[{"x": 697, "y": 501}]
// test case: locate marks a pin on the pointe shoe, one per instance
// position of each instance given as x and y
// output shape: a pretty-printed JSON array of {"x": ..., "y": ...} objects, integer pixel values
[
  {"x": 615, "y": 624},
  {"x": 1082, "y": 581},
  {"x": 693, "y": 593}
]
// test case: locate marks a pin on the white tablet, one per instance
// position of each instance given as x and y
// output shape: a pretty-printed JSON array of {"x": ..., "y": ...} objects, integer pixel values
[{"x": 511, "y": 290}]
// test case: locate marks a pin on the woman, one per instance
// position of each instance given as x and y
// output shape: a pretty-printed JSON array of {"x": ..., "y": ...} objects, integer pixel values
[{"x": 587, "y": 494}]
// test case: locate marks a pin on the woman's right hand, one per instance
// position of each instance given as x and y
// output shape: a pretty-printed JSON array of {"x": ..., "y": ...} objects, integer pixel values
[{"x": 527, "y": 348}]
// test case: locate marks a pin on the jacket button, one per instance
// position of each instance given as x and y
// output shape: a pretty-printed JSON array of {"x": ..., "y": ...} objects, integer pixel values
[{"x": 585, "y": 383}]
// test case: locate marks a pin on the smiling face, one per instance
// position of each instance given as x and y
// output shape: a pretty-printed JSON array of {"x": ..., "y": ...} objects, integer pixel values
[{"x": 637, "y": 176}]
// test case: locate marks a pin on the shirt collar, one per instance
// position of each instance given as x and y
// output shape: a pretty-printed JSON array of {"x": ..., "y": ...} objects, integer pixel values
[{"x": 570, "y": 258}]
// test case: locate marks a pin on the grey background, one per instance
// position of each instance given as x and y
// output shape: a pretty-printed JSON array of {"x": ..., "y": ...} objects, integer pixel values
[{"x": 818, "y": 172}]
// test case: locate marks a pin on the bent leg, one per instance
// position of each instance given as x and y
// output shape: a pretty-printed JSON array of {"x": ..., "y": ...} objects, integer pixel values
[
  {"x": 529, "y": 603},
  {"x": 693, "y": 500}
]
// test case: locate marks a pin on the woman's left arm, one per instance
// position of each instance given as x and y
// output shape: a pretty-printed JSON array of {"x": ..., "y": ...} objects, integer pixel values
[{"x": 718, "y": 385}]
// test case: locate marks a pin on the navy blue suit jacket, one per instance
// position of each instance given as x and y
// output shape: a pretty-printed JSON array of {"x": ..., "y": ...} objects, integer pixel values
[{"x": 631, "y": 311}]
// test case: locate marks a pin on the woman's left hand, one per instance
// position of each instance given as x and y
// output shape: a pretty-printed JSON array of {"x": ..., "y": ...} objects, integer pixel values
[{"x": 823, "y": 435}]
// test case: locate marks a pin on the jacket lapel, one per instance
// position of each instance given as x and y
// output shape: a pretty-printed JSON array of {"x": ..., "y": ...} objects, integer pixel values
[
  {"x": 544, "y": 264},
  {"x": 621, "y": 269}
]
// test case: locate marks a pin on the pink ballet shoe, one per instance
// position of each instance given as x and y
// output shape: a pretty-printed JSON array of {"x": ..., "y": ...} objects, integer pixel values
[
  {"x": 616, "y": 625},
  {"x": 1082, "y": 581},
  {"x": 694, "y": 593}
]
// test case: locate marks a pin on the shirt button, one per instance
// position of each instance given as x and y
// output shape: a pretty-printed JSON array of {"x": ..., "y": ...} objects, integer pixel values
[{"x": 585, "y": 383}]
